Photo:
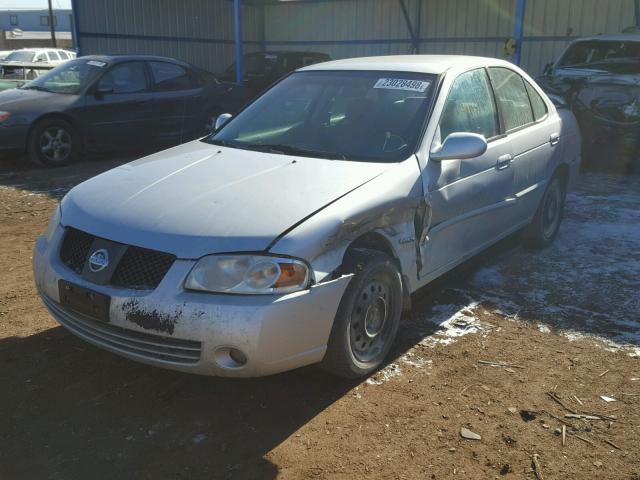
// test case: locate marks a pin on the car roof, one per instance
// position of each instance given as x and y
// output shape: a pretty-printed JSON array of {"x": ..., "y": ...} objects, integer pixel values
[
  {"x": 287, "y": 52},
  {"x": 125, "y": 58},
  {"x": 434, "y": 64},
  {"x": 621, "y": 37}
]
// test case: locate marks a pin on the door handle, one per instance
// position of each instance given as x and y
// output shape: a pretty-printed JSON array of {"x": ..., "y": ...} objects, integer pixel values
[
  {"x": 554, "y": 139},
  {"x": 504, "y": 161}
]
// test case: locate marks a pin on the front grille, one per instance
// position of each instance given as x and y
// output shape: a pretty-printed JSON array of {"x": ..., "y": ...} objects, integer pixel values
[
  {"x": 75, "y": 249},
  {"x": 139, "y": 268},
  {"x": 144, "y": 346},
  {"x": 142, "y": 268}
]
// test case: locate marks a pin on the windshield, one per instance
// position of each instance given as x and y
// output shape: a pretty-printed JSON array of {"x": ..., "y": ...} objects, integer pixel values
[
  {"x": 354, "y": 115},
  {"x": 20, "y": 56},
  {"x": 71, "y": 77},
  {"x": 584, "y": 54}
]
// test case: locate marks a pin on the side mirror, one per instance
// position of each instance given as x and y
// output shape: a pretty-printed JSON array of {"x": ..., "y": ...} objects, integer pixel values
[
  {"x": 102, "y": 90},
  {"x": 459, "y": 146},
  {"x": 221, "y": 120}
]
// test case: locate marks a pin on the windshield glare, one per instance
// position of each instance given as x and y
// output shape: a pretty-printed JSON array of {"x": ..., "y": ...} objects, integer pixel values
[
  {"x": 585, "y": 53},
  {"x": 70, "y": 77},
  {"x": 354, "y": 115},
  {"x": 19, "y": 56}
]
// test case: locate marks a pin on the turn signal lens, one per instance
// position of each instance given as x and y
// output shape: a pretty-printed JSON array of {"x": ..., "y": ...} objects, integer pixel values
[{"x": 291, "y": 274}]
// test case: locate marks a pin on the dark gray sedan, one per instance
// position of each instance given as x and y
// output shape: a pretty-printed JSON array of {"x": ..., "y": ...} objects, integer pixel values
[{"x": 99, "y": 102}]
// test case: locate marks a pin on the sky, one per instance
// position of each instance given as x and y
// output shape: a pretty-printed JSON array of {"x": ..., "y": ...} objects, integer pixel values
[{"x": 4, "y": 4}]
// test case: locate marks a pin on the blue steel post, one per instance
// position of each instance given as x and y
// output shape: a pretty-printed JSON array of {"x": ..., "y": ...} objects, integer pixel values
[
  {"x": 237, "y": 20},
  {"x": 518, "y": 33},
  {"x": 75, "y": 27}
]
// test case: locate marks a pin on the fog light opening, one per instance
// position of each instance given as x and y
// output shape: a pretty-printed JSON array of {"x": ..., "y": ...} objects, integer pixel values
[
  {"x": 237, "y": 356},
  {"x": 229, "y": 358}
]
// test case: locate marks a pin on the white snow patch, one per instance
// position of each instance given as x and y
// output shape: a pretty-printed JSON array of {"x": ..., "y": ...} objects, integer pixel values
[
  {"x": 387, "y": 373},
  {"x": 543, "y": 328},
  {"x": 414, "y": 360},
  {"x": 454, "y": 321}
]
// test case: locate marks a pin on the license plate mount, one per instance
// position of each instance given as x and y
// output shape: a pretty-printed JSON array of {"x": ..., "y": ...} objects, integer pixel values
[{"x": 84, "y": 300}]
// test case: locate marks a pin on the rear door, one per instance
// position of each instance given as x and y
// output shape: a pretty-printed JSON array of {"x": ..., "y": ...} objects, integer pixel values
[
  {"x": 117, "y": 109},
  {"x": 533, "y": 134},
  {"x": 177, "y": 98},
  {"x": 470, "y": 199}
]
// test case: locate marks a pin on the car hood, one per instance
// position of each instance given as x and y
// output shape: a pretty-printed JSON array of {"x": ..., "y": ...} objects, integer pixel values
[
  {"x": 197, "y": 198},
  {"x": 18, "y": 100}
]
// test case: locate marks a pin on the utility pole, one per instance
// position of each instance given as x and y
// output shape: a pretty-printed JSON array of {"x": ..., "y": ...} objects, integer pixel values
[{"x": 52, "y": 26}]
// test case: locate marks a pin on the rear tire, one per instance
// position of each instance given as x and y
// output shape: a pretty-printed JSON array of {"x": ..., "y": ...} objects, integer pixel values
[
  {"x": 368, "y": 317},
  {"x": 52, "y": 143},
  {"x": 543, "y": 229}
]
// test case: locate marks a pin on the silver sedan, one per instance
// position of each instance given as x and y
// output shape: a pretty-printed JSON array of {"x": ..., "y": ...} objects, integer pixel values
[{"x": 295, "y": 233}]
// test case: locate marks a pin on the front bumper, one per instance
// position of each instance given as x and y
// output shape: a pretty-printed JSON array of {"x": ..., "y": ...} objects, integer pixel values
[
  {"x": 13, "y": 138},
  {"x": 192, "y": 332}
]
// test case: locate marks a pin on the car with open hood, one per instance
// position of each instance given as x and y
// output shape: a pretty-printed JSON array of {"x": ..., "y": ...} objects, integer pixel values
[
  {"x": 297, "y": 231},
  {"x": 599, "y": 79}
]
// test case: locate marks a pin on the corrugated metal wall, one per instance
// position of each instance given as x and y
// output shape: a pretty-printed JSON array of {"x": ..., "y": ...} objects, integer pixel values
[
  {"x": 201, "y": 31},
  {"x": 197, "y": 31},
  {"x": 475, "y": 27}
]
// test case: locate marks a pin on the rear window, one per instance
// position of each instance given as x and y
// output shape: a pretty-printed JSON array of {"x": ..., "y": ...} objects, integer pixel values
[
  {"x": 170, "y": 77},
  {"x": 512, "y": 97},
  {"x": 537, "y": 103}
]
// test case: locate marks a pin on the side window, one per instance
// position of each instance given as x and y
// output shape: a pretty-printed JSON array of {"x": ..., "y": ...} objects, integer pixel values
[
  {"x": 41, "y": 57},
  {"x": 127, "y": 77},
  {"x": 63, "y": 55},
  {"x": 53, "y": 55},
  {"x": 512, "y": 97},
  {"x": 537, "y": 103},
  {"x": 470, "y": 106},
  {"x": 169, "y": 77}
]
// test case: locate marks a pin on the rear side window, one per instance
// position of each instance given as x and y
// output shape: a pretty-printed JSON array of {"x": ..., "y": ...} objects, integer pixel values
[
  {"x": 63, "y": 55},
  {"x": 169, "y": 77},
  {"x": 537, "y": 103},
  {"x": 53, "y": 55},
  {"x": 512, "y": 97},
  {"x": 470, "y": 106}
]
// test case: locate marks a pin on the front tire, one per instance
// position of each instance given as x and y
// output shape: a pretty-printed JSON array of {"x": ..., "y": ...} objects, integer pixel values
[
  {"x": 546, "y": 222},
  {"x": 368, "y": 317},
  {"x": 52, "y": 143}
]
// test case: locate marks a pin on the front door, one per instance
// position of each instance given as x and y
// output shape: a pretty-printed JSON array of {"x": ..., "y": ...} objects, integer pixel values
[
  {"x": 471, "y": 200},
  {"x": 117, "y": 111}
]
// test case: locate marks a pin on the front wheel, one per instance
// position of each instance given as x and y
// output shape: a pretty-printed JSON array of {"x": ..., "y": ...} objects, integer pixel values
[
  {"x": 546, "y": 222},
  {"x": 52, "y": 143},
  {"x": 368, "y": 317}
]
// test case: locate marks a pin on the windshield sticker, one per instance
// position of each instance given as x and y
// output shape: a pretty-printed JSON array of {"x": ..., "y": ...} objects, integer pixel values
[
  {"x": 402, "y": 84},
  {"x": 96, "y": 63}
]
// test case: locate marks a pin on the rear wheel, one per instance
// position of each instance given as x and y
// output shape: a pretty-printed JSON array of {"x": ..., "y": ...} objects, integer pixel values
[
  {"x": 52, "y": 143},
  {"x": 367, "y": 320},
  {"x": 546, "y": 222}
]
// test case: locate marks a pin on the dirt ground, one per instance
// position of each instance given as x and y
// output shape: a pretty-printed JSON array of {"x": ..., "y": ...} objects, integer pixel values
[{"x": 565, "y": 319}]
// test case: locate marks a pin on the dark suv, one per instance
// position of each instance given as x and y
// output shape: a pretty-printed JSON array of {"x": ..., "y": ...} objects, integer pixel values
[
  {"x": 599, "y": 78},
  {"x": 261, "y": 69}
]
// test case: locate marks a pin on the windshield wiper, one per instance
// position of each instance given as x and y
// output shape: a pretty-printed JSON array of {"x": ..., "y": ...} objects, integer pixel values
[
  {"x": 292, "y": 150},
  {"x": 35, "y": 87}
]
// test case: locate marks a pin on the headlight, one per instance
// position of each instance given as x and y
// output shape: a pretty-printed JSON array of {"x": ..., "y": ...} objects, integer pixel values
[
  {"x": 54, "y": 221},
  {"x": 4, "y": 116},
  {"x": 248, "y": 274}
]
